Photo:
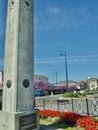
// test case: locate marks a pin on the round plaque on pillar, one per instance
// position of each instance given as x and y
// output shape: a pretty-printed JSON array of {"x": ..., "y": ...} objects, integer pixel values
[
  {"x": 9, "y": 83},
  {"x": 26, "y": 83}
]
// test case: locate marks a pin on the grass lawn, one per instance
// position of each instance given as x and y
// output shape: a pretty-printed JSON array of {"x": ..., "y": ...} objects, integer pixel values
[{"x": 58, "y": 124}]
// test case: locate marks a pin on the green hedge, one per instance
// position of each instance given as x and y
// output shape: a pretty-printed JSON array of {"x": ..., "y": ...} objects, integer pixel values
[{"x": 78, "y": 94}]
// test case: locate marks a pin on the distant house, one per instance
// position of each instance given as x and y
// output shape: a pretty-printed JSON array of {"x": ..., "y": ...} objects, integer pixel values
[
  {"x": 82, "y": 85},
  {"x": 42, "y": 78},
  {"x": 92, "y": 83},
  {"x": 71, "y": 84}
]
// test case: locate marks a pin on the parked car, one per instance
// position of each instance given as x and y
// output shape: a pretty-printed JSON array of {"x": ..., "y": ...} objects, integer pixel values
[{"x": 39, "y": 92}]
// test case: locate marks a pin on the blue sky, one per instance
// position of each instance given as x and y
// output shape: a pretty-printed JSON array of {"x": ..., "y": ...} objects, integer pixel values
[{"x": 59, "y": 26}]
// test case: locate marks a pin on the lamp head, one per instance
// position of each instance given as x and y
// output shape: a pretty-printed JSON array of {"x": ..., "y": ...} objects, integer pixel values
[{"x": 62, "y": 54}]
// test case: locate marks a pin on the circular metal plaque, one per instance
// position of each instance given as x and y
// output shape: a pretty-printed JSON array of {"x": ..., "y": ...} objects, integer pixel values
[
  {"x": 27, "y": 3},
  {"x": 9, "y": 83},
  {"x": 12, "y": 2},
  {"x": 26, "y": 83}
]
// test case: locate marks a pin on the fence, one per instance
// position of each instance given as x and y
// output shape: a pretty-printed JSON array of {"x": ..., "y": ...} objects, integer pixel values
[{"x": 83, "y": 106}]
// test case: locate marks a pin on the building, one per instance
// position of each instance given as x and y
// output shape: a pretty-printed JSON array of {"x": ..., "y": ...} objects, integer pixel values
[
  {"x": 38, "y": 78},
  {"x": 92, "y": 83}
]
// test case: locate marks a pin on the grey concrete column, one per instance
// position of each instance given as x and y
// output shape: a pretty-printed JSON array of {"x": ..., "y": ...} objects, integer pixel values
[
  {"x": 18, "y": 111},
  {"x": 18, "y": 67}
]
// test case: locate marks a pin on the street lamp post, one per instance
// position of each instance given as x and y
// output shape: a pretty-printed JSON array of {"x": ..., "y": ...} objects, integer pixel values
[
  {"x": 56, "y": 78},
  {"x": 66, "y": 71}
]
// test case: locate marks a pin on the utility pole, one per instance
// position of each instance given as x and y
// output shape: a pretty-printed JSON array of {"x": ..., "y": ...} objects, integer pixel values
[
  {"x": 66, "y": 71},
  {"x": 56, "y": 77}
]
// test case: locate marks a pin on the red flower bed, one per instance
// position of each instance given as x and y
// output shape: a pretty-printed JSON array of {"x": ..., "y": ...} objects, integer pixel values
[
  {"x": 70, "y": 116},
  {"x": 86, "y": 122},
  {"x": 49, "y": 113}
]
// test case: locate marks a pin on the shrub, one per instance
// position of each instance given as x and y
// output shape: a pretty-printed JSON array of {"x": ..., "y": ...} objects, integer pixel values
[{"x": 71, "y": 94}]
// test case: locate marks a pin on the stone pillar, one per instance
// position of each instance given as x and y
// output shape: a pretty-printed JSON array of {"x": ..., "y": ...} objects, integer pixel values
[{"x": 18, "y": 111}]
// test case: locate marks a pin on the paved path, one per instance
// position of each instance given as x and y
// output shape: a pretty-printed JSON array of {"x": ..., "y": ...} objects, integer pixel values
[{"x": 49, "y": 127}]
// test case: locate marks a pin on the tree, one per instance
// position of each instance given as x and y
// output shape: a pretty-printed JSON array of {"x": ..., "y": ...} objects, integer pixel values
[{"x": 41, "y": 85}]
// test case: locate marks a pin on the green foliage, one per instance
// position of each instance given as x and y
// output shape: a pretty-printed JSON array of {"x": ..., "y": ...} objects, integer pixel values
[
  {"x": 71, "y": 95},
  {"x": 60, "y": 125},
  {"x": 95, "y": 119},
  {"x": 77, "y": 95}
]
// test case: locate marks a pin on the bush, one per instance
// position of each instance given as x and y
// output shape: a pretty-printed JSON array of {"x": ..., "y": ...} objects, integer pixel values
[
  {"x": 77, "y": 95},
  {"x": 71, "y": 94}
]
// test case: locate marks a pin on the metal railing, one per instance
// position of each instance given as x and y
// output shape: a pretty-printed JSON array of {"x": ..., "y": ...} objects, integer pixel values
[{"x": 84, "y": 106}]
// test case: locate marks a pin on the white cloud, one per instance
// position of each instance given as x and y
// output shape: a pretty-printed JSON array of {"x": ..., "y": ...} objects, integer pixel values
[
  {"x": 53, "y": 10},
  {"x": 58, "y": 17}
]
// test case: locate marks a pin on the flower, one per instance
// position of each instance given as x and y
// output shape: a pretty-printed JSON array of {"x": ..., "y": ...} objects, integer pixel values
[{"x": 87, "y": 122}]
